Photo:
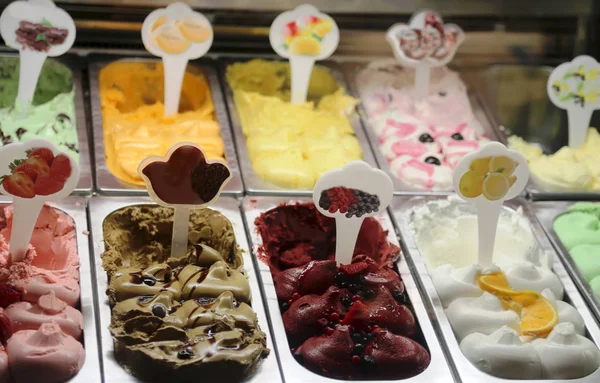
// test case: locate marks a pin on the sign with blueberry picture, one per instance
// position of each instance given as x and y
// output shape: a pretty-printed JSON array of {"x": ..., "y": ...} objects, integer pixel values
[
  {"x": 183, "y": 180},
  {"x": 349, "y": 195},
  {"x": 488, "y": 177},
  {"x": 575, "y": 87},
  {"x": 32, "y": 173}
]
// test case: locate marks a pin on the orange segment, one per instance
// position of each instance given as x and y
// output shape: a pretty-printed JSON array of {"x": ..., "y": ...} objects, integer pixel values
[
  {"x": 538, "y": 318},
  {"x": 194, "y": 29},
  {"x": 538, "y": 315},
  {"x": 170, "y": 40}
]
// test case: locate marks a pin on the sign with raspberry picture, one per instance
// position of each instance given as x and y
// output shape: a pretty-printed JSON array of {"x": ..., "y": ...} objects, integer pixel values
[
  {"x": 177, "y": 34},
  {"x": 34, "y": 172},
  {"x": 488, "y": 177},
  {"x": 37, "y": 29},
  {"x": 575, "y": 87},
  {"x": 183, "y": 180},
  {"x": 348, "y": 195},
  {"x": 423, "y": 43},
  {"x": 303, "y": 36}
]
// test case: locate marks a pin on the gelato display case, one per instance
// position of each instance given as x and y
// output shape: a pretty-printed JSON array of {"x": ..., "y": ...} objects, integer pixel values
[{"x": 258, "y": 295}]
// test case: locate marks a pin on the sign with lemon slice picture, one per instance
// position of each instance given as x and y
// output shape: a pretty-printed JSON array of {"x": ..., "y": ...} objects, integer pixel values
[
  {"x": 177, "y": 34},
  {"x": 488, "y": 177}
]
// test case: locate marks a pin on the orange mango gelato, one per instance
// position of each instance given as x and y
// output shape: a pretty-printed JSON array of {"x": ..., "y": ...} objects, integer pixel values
[{"x": 132, "y": 96}]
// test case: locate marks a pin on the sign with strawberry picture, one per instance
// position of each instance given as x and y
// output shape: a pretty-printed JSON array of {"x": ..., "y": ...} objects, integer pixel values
[
  {"x": 183, "y": 180},
  {"x": 303, "y": 36},
  {"x": 487, "y": 177},
  {"x": 349, "y": 195},
  {"x": 34, "y": 172}
]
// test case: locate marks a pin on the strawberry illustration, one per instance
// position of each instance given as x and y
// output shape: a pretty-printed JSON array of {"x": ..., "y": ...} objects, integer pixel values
[
  {"x": 8, "y": 295},
  {"x": 48, "y": 184},
  {"x": 61, "y": 168},
  {"x": 28, "y": 169},
  {"x": 45, "y": 153},
  {"x": 19, "y": 184},
  {"x": 32, "y": 165},
  {"x": 290, "y": 29}
]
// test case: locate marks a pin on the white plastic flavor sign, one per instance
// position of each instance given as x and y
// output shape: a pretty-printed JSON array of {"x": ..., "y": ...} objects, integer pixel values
[
  {"x": 349, "y": 195},
  {"x": 37, "y": 29},
  {"x": 575, "y": 87},
  {"x": 177, "y": 34},
  {"x": 423, "y": 43},
  {"x": 488, "y": 177},
  {"x": 34, "y": 172},
  {"x": 303, "y": 36},
  {"x": 183, "y": 180}
]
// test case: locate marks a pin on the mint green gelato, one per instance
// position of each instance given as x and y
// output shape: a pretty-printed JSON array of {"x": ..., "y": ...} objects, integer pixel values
[
  {"x": 579, "y": 230},
  {"x": 52, "y": 115}
]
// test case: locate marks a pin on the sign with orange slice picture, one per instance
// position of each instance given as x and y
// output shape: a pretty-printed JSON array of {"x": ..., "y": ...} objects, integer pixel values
[
  {"x": 177, "y": 34},
  {"x": 303, "y": 36}
]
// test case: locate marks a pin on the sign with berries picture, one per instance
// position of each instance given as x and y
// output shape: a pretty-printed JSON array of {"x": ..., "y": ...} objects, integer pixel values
[
  {"x": 303, "y": 36},
  {"x": 183, "y": 180},
  {"x": 488, "y": 177},
  {"x": 575, "y": 87},
  {"x": 37, "y": 29},
  {"x": 34, "y": 172},
  {"x": 349, "y": 195}
]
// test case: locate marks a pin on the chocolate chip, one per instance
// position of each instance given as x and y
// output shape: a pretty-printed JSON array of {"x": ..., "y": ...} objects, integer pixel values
[
  {"x": 442, "y": 94},
  {"x": 186, "y": 353},
  {"x": 457, "y": 137},
  {"x": 20, "y": 132},
  {"x": 150, "y": 281},
  {"x": 426, "y": 137},
  {"x": 159, "y": 310},
  {"x": 433, "y": 161}
]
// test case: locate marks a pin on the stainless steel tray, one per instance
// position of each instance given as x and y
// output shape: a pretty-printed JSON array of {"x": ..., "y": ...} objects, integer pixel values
[
  {"x": 254, "y": 184},
  {"x": 74, "y": 207},
  {"x": 438, "y": 370},
  {"x": 84, "y": 186},
  {"x": 402, "y": 206},
  {"x": 107, "y": 183},
  {"x": 99, "y": 209},
  {"x": 546, "y": 212},
  {"x": 351, "y": 70},
  {"x": 533, "y": 118}
]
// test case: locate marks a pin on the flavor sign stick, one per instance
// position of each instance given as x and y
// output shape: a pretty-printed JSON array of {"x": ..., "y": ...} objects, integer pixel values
[
  {"x": 183, "y": 180},
  {"x": 33, "y": 172},
  {"x": 488, "y": 177},
  {"x": 349, "y": 195},
  {"x": 303, "y": 36},
  {"x": 37, "y": 29},
  {"x": 575, "y": 87},
  {"x": 177, "y": 34},
  {"x": 425, "y": 42}
]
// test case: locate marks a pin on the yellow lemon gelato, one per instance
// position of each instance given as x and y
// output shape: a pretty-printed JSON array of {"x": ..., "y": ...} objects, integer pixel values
[
  {"x": 292, "y": 145},
  {"x": 132, "y": 95},
  {"x": 569, "y": 168}
]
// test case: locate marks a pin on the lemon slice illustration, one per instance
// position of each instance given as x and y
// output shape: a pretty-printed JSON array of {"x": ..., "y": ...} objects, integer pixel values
[
  {"x": 470, "y": 184},
  {"x": 194, "y": 29},
  {"x": 503, "y": 164},
  {"x": 305, "y": 45},
  {"x": 495, "y": 186},
  {"x": 170, "y": 40}
]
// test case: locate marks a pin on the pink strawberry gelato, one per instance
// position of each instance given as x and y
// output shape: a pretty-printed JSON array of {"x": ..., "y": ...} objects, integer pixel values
[
  {"x": 422, "y": 140},
  {"x": 44, "y": 355},
  {"x": 44, "y": 327},
  {"x": 51, "y": 263}
]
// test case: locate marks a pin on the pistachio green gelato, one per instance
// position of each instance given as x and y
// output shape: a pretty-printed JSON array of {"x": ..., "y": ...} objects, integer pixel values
[{"x": 52, "y": 114}]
